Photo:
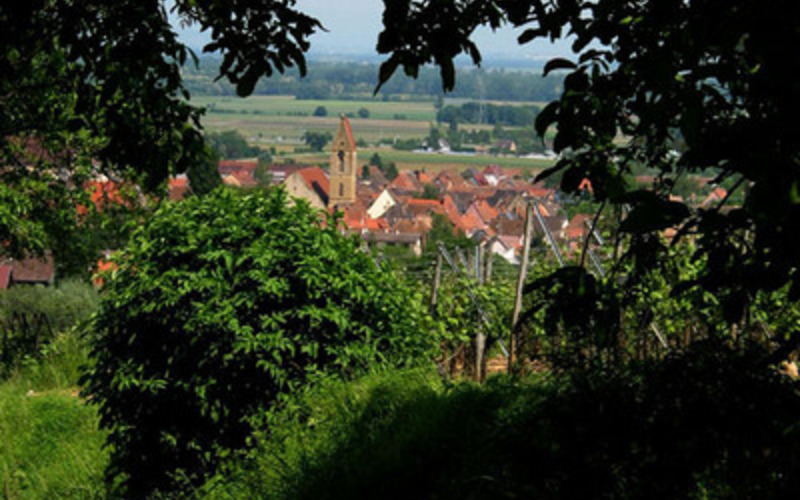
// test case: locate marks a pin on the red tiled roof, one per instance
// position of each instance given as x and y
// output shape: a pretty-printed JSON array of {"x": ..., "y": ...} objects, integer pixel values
[
  {"x": 349, "y": 132},
  {"x": 34, "y": 269},
  {"x": 486, "y": 212},
  {"x": 178, "y": 187},
  {"x": 228, "y": 166},
  {"x": 406, "y": 181},
  {"x": 315, "y": 179},
  {"x": 424, "y": 178},
  {"x": 577, "y": 226}
]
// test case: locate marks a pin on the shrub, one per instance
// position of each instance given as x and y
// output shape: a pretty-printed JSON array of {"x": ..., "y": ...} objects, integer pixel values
[
  {"x": 219, "y": 306},
  {"x": 32, "y": 316}
]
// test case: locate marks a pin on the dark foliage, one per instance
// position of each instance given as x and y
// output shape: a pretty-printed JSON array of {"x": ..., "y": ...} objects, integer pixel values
[
  {"x": 704, "y": 74},
  {"x": 99, "y": 83},
  {"x": 706, "y": 423}
]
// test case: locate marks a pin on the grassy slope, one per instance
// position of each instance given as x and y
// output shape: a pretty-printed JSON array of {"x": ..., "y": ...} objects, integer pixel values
[{"x": 50, "y": 446}]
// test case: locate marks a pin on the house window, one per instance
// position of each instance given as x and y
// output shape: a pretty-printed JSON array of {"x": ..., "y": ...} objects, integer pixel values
[
  {"x": 341, "y": 161},
  {"x": 341, "y": 189}
]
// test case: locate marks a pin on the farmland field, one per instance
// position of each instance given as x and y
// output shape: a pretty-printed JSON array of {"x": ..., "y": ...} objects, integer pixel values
[
  {"x": 431, "y": 162},
  {"x": 279, "y": 122}
]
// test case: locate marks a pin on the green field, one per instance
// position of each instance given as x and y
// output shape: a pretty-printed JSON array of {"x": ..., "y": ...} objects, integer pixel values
[
  {"x": 431, "y": 162},
  {"x": 280, "y": 121}
]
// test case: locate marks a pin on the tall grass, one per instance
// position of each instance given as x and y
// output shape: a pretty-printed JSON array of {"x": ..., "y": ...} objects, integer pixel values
[
  {"x": 705, "y": 424},
  {"x": 50, "y": 445}
]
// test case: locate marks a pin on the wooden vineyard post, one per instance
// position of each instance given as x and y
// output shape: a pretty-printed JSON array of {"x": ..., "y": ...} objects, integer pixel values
[
  {"x": 437, "y": 281},
  {"x": 523, "y": 269},
  {"x": 480, "y": 337},
  {"x": 489, "y": 264}
]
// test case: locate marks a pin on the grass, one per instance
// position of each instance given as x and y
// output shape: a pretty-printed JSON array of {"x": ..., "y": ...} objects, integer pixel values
[
  {"x": 280, "y": 121},
  {"x": 707, "y": 423},
  {"x": 288, "y": 105},
  {"x": 50, "y": 445}
]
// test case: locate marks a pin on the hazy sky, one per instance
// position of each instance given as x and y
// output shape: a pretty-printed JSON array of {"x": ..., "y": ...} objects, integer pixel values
[{"x": 353, "y": 27}]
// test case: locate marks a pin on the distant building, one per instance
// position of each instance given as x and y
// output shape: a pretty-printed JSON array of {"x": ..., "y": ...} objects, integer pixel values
[
  {"x": 310, "y": 184},
  {"x": 29, "y": 271},
  {"x": 343, "y": 166}
]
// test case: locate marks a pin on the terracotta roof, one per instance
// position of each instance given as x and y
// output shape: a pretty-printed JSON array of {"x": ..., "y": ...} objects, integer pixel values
[
  {"x": 228, "y": 166},
  {"x": 486, "y": 211},
  {"x": 316, "y": 180},
  {"x": 349, "y": 132},
  {"x": 424, "y": 178},
  {"x": 419, "y": 207},
  {"x": 405, "y": 180},
  {"x": 377, "y": 177},
  {"x": 577, "y": 226},
  {"x": 34, "y": 269},
  {"x": 178, "y": 187},
  {"x": 471, "y": 221}
]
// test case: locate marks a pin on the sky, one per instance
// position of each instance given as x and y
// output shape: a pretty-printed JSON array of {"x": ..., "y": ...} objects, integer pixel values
[{"x": 353, "y": 27}]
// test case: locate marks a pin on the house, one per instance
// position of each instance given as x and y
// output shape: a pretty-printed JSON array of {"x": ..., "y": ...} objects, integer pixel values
[
  {"x": 382, "y": 204},
  {"x": 413, "y": 241},
  {"x": 34, "y": 270},
  {"x": 310, "y": 184},
  {"x": 238, "y": 173},
  {"x": 178, "y": 187},
  {"x": 506, "y": 146},
  {"x": 406, "y": 182}
]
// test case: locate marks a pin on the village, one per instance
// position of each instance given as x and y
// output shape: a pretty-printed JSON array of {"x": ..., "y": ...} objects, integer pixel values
[{"x": 487, "y": 205}]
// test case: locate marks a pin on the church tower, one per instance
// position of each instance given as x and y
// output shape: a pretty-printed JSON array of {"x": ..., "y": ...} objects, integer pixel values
[{"x": 343, "y": 166}]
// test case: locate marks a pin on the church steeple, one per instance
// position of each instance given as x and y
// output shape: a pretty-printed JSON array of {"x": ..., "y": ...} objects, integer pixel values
[{"x": 343, "y": 165}]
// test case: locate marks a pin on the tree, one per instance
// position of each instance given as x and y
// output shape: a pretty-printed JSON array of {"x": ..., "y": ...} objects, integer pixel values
[
  {"x": 376, "y": 161},
  {"x": 231, "y": 144},
  {"x": 317, "y": 140},
  {"x": 204, "y": 175},
  {"x": 365, "y": 172},
  {"x": 703, "y": 69},
  {"x": 391, "y": 171},
  {"x": 430, "y": 192},
  {"x": 321, "y": 111},
  {"x": 220, "y": 305},
  {"x": 92, "y": 85},
  {"x": 363, "y": 113}
]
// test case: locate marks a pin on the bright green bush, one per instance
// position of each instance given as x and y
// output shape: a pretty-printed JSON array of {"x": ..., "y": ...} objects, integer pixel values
[{"x": 219, "y": 306}]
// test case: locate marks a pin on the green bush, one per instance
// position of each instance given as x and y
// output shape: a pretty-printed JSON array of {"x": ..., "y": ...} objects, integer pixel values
[
  {"x": 32, "y": 316},
  {"x": 219, "y": 306}
]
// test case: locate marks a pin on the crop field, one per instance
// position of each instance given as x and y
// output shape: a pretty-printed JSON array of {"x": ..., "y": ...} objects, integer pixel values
[
  {"x": 431, "y": 162},
  {"x": 280, "y": 121}
]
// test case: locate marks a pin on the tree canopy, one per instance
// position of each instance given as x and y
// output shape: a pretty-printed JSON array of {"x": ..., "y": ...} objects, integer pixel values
[
  {"x": 692, "y": 86},
  {"x": 87, "y": 86}
]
